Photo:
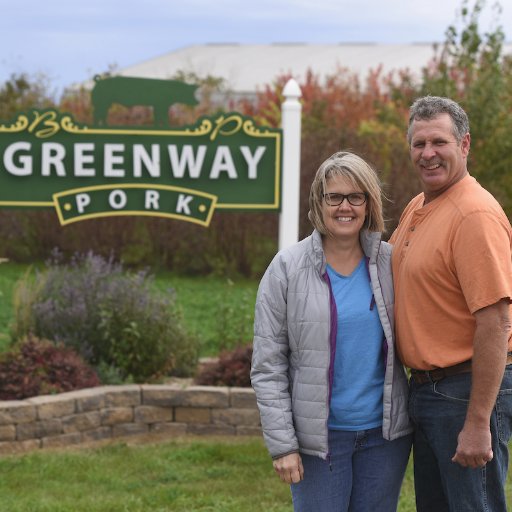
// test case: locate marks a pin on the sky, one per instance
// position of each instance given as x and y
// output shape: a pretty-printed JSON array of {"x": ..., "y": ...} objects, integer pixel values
[{"x": 69, "y": 41}]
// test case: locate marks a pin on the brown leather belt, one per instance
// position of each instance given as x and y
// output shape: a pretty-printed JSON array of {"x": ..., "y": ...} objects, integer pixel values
[{"x": 424, "y": 376}]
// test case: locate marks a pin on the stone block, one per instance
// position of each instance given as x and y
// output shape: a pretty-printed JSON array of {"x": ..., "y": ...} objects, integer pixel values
[
  {"x": 210, "y": 429},
  {"x": 81, "y": 422},
  {"x": 115, "y": 415},
  {"x": 242, "y": 398},
  {"x": 19, "y": 446},
  {"x": 170, "y": 429},
  {"x": 16, "y": 411},
  {"x": 53, "y": 406},
  {"x": 232, "y": 416},
  {"x": 92, "y": 399},
  {"x": 151, "y": 414},
  {"x": 7, "y": 433},
  {"x": 123, "y": 396},
  {"x": 129, "y": 429},
  {"x": 206, "y": 396},
  {"x": 192, "y": 415},
  {"x": 97, "y": 434},
  {"x": 193, "y": 396},
  {"x": 245, "y": 430},
  {"x": 38, "y": 429},
  {"x": 62, "y": 440},
  {"x": 163, "y": 395}
]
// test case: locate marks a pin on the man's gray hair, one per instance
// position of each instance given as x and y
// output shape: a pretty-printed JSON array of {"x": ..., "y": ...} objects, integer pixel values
[{"x": 429, "y": 107}]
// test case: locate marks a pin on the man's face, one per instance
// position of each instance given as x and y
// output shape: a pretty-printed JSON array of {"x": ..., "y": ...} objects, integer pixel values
[{"x": 437, "y": 156}]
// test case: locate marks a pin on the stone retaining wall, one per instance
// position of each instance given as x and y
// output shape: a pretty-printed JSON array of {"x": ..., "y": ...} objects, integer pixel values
[{"x": 111, "y": 412}]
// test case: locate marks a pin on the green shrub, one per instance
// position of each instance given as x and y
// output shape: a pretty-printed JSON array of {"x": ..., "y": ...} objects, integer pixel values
[
  {"x": 116, "y": 320},
  {"x": 39, "y": 367}
]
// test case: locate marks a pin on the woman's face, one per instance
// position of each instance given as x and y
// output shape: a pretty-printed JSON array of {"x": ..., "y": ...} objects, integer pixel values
[{"x": 345, "y": 220}]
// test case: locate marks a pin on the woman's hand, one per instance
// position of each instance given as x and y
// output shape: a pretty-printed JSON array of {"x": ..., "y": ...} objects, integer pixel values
[{"x": 289, "y": 468}]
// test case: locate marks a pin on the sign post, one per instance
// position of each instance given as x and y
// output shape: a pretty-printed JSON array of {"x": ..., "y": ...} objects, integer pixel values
[{"x": 291, "y": 126}]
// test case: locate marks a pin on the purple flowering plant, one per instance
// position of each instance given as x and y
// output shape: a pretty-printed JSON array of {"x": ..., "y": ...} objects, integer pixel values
[{"x": 116, "y": 320}]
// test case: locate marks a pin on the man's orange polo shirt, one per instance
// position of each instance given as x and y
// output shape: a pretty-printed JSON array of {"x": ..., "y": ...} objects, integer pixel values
[{"x": 451, "y": 258}]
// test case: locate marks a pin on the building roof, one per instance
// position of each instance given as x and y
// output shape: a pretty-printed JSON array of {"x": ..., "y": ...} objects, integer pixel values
[{"x": 247, "y": 68}]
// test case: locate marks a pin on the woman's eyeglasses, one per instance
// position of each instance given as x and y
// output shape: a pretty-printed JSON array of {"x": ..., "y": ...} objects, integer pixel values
[{"x": 355, "y": 199}]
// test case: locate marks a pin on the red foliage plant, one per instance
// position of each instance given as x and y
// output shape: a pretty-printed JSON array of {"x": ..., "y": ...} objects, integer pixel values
[
  {"x": 39, "y": 367},
  {"x": 233, "y": 368}
]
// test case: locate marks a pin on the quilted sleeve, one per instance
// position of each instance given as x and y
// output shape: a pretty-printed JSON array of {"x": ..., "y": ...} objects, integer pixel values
[{"x": 270, "y": 364}]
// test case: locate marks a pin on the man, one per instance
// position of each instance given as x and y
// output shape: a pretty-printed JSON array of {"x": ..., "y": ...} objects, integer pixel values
[{"x": 453, "y": 283}]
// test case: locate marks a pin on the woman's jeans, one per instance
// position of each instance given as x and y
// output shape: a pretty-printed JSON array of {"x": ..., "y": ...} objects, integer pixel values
[
  {"x": 438, "y": 410},
  {"x": 364, "y": 473}
]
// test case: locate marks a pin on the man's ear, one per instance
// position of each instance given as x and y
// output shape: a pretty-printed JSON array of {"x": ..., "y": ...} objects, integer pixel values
[{"x": 465, "y": 144}]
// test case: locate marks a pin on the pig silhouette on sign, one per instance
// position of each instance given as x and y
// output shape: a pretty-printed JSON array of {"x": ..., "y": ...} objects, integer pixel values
[{"x": 130, "y": 91}]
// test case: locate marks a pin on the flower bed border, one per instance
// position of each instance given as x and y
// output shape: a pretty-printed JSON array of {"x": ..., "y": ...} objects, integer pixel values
[{"x": 112, "y": 412}]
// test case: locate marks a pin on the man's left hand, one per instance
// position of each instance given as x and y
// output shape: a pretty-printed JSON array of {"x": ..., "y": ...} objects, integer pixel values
[{"x": 474, "y": 447}]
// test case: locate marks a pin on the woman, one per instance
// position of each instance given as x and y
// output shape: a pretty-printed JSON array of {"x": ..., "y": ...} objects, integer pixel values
[{"x": 331, "y": 392}]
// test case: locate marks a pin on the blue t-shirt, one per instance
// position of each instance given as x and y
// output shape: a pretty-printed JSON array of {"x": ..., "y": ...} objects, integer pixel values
[{"x": 356, "y": 402}]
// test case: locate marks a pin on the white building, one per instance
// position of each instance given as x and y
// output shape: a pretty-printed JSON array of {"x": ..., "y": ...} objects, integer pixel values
[{"x": 247, "y": 68}]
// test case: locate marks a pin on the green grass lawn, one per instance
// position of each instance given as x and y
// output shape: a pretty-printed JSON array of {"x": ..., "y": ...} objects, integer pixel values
[
  {"x": 186, "y": 475},
  {"x": 9, "y": 275},
  {"x": 218, "y": 310}
]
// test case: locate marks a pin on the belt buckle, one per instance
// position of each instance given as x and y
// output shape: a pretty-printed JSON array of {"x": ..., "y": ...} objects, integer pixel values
[
  {"x": 426, "y": 377},
  {"x": 421, "y": 376}
]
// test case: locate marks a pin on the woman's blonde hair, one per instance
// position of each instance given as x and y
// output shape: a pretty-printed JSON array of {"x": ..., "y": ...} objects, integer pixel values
[{"x": 361, "y": 175}]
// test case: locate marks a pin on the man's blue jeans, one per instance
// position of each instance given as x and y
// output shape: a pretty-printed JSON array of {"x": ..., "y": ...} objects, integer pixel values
[
  {"x": 364, "y": 474},
  {"x": 438, "y": 410}
]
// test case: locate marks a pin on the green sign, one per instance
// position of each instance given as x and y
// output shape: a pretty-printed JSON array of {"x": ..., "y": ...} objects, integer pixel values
[{"x": 224, "y": 162}]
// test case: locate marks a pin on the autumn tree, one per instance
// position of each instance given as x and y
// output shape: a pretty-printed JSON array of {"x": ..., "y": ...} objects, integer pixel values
[
  {"x": 471, "y": 68},
  {"x": 339, "y": 112},
  {"x": 22, "y": 92}
]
